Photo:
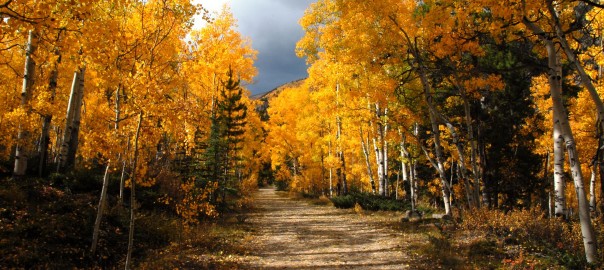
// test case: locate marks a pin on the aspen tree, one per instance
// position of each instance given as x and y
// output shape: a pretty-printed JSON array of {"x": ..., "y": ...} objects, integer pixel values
[
  {"x": 554, "y": 78},
  {"x": 133, "y": 195},
  {"x": 21, "y": 152},
  {"x": 101, "y": 208},
  {"x": 69, "y": 142}
]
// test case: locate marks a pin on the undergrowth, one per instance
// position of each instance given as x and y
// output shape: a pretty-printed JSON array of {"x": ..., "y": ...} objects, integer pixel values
[
  {"x": 540, "y": 241},
  {"x": 368, "y": 202},
  {"x": 47, "y": 224}
]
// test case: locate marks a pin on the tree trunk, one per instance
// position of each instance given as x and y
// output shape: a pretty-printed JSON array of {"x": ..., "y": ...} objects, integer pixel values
[
  {"x": 421, "y": 69},
  {"x": 554, "y": 78},
  {"x": 99, "y": 214},
  {"x": 380, "y": 168},
  {"x": 73, "y": 146},
  {"x": 123, "y": 174},
  {"x": 439, "y": 163},
  {"x": 385, "y": 160},
  {"x": 543, "y": 193},
  {"x": 47, "y": 119},
  {"x": 342, "y": 170},
  {"x": 413, "y": 185},
  {"x": 445, "y": 185},
  {"x": 132, "y": 194},
  {"x": 601, "y": 172},
  {"x": 586, "y": 81},
  {"x": 381, "y": 150},
  {"x": 435, "y": 134},
  {"x": 367, "y": 161},
  {"x": 330, "y": 174},
  {"x": 404, "y": 160},
  {"x": 342, "y": 173},
  {"x": 470, "y": 195},
  {"x": 487, "y": 186},
  {"x": 473, "y": 151},
  {"x": 559, "y": 182},
  {"x": 592, "y": 188},
  {"x": 23, "y": 137},
  {"x": 69, "y": 142}
]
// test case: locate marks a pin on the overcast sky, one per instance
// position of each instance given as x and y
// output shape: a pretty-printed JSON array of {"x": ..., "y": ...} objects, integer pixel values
[{"x": 273, "y": 27}]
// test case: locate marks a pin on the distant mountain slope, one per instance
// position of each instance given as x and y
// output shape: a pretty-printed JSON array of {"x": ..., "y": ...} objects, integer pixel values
[
  {"x": 277, "y": 90},
  {"x": 261, "y": 101}
]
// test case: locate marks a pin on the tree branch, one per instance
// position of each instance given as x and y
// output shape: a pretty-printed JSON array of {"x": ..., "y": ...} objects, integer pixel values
[{"x": 593, "y": 4}]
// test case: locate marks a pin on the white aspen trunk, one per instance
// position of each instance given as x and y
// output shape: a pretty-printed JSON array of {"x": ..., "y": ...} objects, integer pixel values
[
  {"x": 330, "y": 175},
  {"x": 435, "y": 134},
  {"x": 587, "y": 230},
  {"x": 413, "y": 185},
  {"x": 330, "y": 182},
  {"x": 385, "y": 160},
  {"x": 439, "y": 164},
  {"x": 384, "y": 121},
  {"x": 367, "y": 161},
  {"x": 586, "y": 81},
  {"x": 384, "y": 130},
  {"x": 470, "y": 195},
  {"x": 381, "y": 148},
  {"x": 421, "y": 69},
  {"x": 404, "y": 157},
  {"x": 132, "y": 195},
  {"x": 380, "y": 168},
  {"x": 21, "y": 152},
  {"x": 73, "y": 147},
  {"x": 445, "y": 185},
  {"x": 592, "y": 189},
  {"x": 65, "y": 141},
  {"x": 342, "y": 169},
  {"x": 559, "y": 182},
  {"x": 475, "y": 188},
  {"x": 69, "y": 142},
  {"x": 600, "y": 164},
  {"x": 123, "y": 174},
  {"x": 549, "y": 200},
  {"x": 101, "y": 208}
]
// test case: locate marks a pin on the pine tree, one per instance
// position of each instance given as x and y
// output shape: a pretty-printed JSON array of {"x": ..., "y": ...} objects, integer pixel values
[{"x": 228, "y": 121}]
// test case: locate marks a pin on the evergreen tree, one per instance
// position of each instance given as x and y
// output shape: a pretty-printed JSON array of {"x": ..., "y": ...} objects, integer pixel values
[{"x": 228, "y": 122}]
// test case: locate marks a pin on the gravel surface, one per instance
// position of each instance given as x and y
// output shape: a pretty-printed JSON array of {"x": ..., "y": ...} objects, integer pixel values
[{"x": 294, "y": 234}]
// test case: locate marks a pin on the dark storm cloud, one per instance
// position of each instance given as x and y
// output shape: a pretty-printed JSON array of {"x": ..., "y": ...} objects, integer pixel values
[{"x": 273, "y": 27}]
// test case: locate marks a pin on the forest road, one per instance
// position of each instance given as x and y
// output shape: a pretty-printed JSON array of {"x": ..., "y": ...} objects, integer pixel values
[{"x": 295, "y": 234}]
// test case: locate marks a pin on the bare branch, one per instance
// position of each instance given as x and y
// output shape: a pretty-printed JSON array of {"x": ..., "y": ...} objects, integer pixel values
[{"x": 593, "y": 4}]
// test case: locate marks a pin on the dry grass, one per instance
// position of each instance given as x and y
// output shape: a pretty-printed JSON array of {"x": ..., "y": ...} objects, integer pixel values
[{"x": 217, "y": 245}]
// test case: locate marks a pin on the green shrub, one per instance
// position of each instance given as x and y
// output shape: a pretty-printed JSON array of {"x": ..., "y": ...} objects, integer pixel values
[
  {"x": 281, "y": 185},
  {"x": 344, "y": 202},
  {"x": 368, "y": 202}
]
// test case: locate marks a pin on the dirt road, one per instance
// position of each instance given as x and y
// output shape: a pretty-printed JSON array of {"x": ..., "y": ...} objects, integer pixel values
[{"x": 294, "y": 234}]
